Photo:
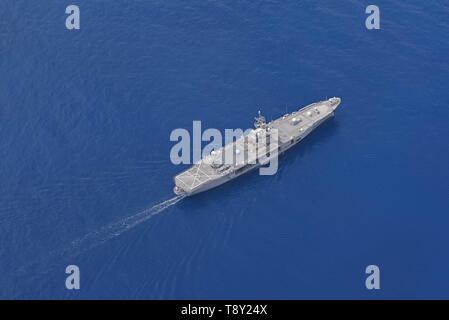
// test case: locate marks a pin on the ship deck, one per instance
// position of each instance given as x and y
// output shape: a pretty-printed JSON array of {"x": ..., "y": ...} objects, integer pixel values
[
  {"x": 303, "y": 121},
  {"x": 195, "y": 176}
]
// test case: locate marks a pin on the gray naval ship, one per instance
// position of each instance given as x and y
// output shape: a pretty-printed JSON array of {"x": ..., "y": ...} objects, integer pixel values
[{"x": 212, "y": 170}]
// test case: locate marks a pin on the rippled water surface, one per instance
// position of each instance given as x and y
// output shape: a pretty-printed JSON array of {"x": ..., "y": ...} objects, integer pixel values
[{"x": 85, "y": 174}]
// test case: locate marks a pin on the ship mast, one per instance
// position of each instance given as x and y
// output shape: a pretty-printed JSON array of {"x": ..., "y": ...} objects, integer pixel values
[{"x": 259, "y": 121}]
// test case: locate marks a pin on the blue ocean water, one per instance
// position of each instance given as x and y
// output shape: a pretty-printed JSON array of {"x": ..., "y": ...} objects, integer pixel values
[{"x": 85, "y": 119}]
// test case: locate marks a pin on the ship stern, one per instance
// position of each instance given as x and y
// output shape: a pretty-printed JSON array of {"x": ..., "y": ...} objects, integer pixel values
[{"x": 178, "y": 191}]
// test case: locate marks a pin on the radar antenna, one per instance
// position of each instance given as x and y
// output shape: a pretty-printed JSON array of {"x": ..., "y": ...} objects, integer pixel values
[{"x": 259, "y": 121}]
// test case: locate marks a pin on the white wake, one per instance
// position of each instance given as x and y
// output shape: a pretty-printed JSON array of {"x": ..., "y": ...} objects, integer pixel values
[
  {"x": 114, "y": 229},
  {"x": 97, "y": 237}
]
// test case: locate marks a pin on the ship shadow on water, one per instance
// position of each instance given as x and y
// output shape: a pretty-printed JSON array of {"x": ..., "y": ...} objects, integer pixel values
[{"x": 318, "y": 137}]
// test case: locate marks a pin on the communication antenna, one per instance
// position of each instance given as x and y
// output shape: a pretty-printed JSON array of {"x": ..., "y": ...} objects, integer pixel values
[{"x": 260, "y": 121}]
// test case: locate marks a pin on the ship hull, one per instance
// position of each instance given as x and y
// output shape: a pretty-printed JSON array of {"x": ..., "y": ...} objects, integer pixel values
[{"x": 202, "y": 177}]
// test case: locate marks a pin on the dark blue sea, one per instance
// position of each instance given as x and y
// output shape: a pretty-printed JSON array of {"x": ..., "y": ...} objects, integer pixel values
[{"x": 85, "y": 121}]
